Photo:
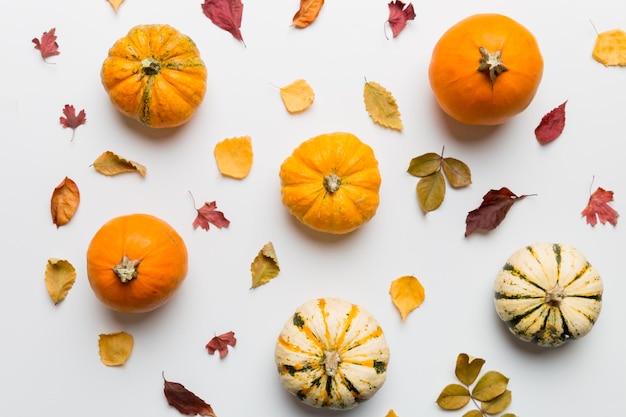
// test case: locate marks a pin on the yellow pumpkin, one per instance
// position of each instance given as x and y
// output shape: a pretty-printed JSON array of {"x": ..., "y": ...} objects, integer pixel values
[
  {"x": 331, "y": 183},
  {"x": 155, "y": 75}
]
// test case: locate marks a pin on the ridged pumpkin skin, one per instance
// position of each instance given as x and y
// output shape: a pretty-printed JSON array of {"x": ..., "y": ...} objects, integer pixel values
[
  {"x": 158, "y": 250},
  {"x": 548, "y": 294},
  {"x": 155, "y": 75},
  {"x": 462, "y": 84},
  {"x": 332, "y": 353},
  {"x": 331, "y": 183}
]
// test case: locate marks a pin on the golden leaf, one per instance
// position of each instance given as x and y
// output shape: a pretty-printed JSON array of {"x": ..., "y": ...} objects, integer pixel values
[
  {"x": 491, "y": 385},
  {"x": 64, "y": 202},
  {"x": 234, "y": 156},
  {"x": 498, "y": 404},
  {"x": 307, "y": 13},
  {"x": 116, "y": 4},
  {"x": 467, "y": 369},
  {"x": 115, "y": 348},
  {"x": 457, "y": 172},
  {"x": 407, "y": 293},
  {"x": 264, "y": 267},
  {"x": 391, "y": 413},
  {"x": 431, "y": 191},
  {"x": 108, "y": 163},
  {"x": 610, "y": 48},
  {"x": 60, "y": 277},
  {"x": 381, "y": 106},
  {"x": 453, "y": 397},
  {"x": 297, "y": 96}
]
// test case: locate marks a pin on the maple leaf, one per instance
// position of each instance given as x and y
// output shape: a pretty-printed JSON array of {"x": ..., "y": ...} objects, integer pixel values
[
  {"x": 492, "y": 210},
  {"x": 399, "y": 15},
  {"x": 47, "y": 46},
  {"x": 220, "y": 343},
  {"x": 551, "y": 125},
  {"x": 185, "y": 401},
  {"x": 71, "y": 119},
  {"x": 598, "y": 208},
  {"x": 207, "y": 215},
  {"x": 225, "y": 14}
]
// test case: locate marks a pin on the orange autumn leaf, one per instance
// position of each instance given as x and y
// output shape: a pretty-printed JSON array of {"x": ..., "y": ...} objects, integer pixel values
[
  {"x": 297, "y": 96},
  {"x": 407, "y": 293},
  {"x": 391, "y": 413},
  {"x": 308, "y": 12},
  {"x": 115, "y": 4},
  {"x": 610, "y": 48},
  {"x": 234, "y": 156},
  {"x": 109, "y": 163},
  {"x": 64, "y": 202},
  {"x": 59, "y": 277},
  {"x": 115, "y": 348}
]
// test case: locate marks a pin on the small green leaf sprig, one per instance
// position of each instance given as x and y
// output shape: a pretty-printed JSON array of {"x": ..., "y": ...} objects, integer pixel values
[
  {"x": 490, "y": 394},
  {"x": 431, "y": 168}
]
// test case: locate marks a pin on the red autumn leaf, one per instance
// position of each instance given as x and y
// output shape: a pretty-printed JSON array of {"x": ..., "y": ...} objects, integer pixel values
[
  {"x": 225, "y": 14},
  {"x": 399, "y": 15},
  {"x": 185, "y": 401},
  {"x": 551, "y": 125},
  {"x": 599, "y": 209},
  {"x": 220, "y": 343},
  {"x": 492, "y": 210},
  {"x": 71, "y": 119},
  {"x": 47, "y": 46},
  {"x": 207, "y": 215}
]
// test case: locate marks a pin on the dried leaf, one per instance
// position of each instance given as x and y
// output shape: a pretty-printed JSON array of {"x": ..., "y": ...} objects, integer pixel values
[
  {"x": 492, "y": 210},
  {"x": 264, "y": 267},
  {"x": 60, "y": 277},
  {"x": 64, "y": 202},
  {"x": 381, "y": 106},
  {"x": 467, "y": 369},
  {"x": 391, "y": 413},
  {"x": 307, "y": 13},
  {"x": 598, "y": 208},
  {"x": 407, "y": 293},
  {"x": 225, "y": 14},
  {"x": 491, "y": 385},
  {"x": 551, "y": 125},
  {"x": 185, "y": 401},
  {"x": 498, "y": 404},
  {"x": 71, "y": 119},
  {"x": 457, "y": 172},
  {"x": 297, "y": 96},
  {"x": 424, "y": 165},
  {"x": 115, "y": 4},
  {"x": 47, "y": 46},
  {"x": 610, "y": 48},
  {"x": 234, "y": 156},
  {"x": 474, "y": 413},
  {"x": 109, "y": 163},
  {"x": 399, "y": 15},
  {"x": 207, "y": 215},
  {"x": 453, "y": 397},
  {"x": 220, "y": 343},
  {"x": 115, "y": 348},
  {"x": 431, "y": 191}
]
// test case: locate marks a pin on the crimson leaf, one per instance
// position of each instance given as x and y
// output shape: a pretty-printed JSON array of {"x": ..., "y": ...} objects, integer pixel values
[
  {"x": 220, "y": 343},
  {"x": 598, "y": 208},
  {"x": 207, "y": 214},
  {"x": 551, "y": 125},
  {"x": 225, "y": 14},
  {"x": 492, "y": 210},
  {"x": 71, "y": 119},
  {"x": 47, "y": 46},
  {"x": 399, "y": 15},
  {"x": 185, "y": 401}
]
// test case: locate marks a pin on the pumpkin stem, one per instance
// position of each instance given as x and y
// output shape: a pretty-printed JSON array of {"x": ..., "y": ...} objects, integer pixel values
[
  {"x": 126, "y": 269},
  {"x": 491, "y": 62},
  {"x": 332, "y": 182},
  {"x": 332, "y": 359},
  {"x": 555, "y": 296},
  {"x": 150, "y": 66}
]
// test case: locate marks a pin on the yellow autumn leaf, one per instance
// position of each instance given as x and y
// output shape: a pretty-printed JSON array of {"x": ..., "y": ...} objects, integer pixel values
[
  {"x": 116, "y": 4},
  {"x": 234, "y": 156},
  {"x": 115, "y": 348},
  {"x": 610, "y": 48},
  {"x": 264, "y": 267},
  {"x": 391, "y": 413},
  {"x": 109, "y": 163},
  {"x": 407, "y": 293},
  {"x": 59, "y": 277},
  {"x": 381, "y": 106},
  {"x": 297, "y": 96},
  {"x": 64, "y": 202}
]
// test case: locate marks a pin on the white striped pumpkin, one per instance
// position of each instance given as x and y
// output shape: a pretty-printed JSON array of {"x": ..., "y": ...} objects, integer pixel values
[
  {"x": 332, "y": 353},
  {"x": 548, "y": 293}
]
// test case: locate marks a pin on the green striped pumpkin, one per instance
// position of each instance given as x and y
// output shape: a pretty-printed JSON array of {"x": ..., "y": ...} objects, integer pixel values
[
  {"x": 548, "y": 293},
  {"x": 332, "y": 353}
]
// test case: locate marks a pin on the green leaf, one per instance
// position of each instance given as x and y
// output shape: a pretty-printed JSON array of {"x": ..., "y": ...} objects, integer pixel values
[
  {"x": 424, "y": 165},
  {"x": 473, "y": 413},
  {"x": 453, "y": 397},
  {"x": 498, "y": 404},
  {"x": 489, "y": 386},
  {"x": 430, "y": 191},
  {"x": 457, "y": 172},
  {"x": 467, "y": 369}
]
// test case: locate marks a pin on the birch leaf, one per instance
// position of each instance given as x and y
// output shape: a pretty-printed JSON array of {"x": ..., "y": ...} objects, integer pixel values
[
  {"x": 234, "y": 156},
  {"x": 115, "y": 4},
  {"x": 407, "y": 293},
  {"x": 264, "y": 267},
  {"x": 60, "y": 277},
  {"x": 381, "y": 106},
  {"x": 610, "y": 48},
  {"x": 109, "y": 163},
  {"x": 115, "y": 348},
  {"x": 431, "y": 191},
  {"x": 297, "y": 96},
  {"x": 64, "y": 202}
]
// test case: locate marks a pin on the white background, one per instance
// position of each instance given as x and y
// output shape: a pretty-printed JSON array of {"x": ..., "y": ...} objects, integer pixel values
[{"x": 49, "y": 361}]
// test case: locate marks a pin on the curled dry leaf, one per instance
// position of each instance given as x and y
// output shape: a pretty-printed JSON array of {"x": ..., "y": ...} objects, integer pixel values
[
  {"x": 307, "y": 13},
  {"x": 234, "y": 156},
  {"x": 64, "y": 202},
  {"x": 115, "y": 348},
  {"x": 115, "y": 4},
  {"x": 225, "y": 14},
  {"x": 297, "y": 96},
  {"x": 399, "y": 15},
  {"x": 610, "y": 48},
  {"x": 551, "y": 125},
  {"x": 60, "y": 277},
  {"x": 185, "y": 401},
  {"x": 492, "y": 211},
  {"x": 407, "y": 293},
  {"x": 264, "y": 267},
  {"x": 220, "y": 343},
  {"x": 109, "y": 163},
  {"x": 381, "y": 106},
  {"x": 48, "y": 45},
  {"x": 598, "y": 208}
]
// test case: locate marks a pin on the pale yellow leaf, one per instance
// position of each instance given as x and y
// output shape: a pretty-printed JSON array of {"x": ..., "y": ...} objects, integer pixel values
[
  {"x": 381, "y": 106},
  {"x": 64, "y": 202},
  {"x": 59, "y": 277},
  {"x": 264, "y": 267},
  {"x": 297, "y": 96},
  {"x": 407, "y": 293},
  {"x": 109, "y": 163},
  {"x": 116, "y": 4},
  {"x": 234, "y": 156},
  {"x": 610, "y": 48},
  {"x": 115, "y": 348}
]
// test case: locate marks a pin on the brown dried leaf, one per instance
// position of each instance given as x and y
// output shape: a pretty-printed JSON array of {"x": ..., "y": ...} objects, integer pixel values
[
  {"x": 185, "y": 401},
  {"x": 115, "y": 348},
  {"x": 453, "y": 397},
  {"x": 467, "y": 369},
  {"x": 610, "y": 48},
  {"x": 297, "y": 96},
  {"x": 457, "y": 172},
  {"x": 381, "y": 106},
  {"x": 491, "y": 385},
  {"x": 407, "y": 293},
  {"x": 498, "y": 404},
  {"x": 64, "y": 202},
  {"x": 115, "y": 4},
  {"x": 308, "y": 12},
  {"x": 264, "y": 267},
  {"x": 109, "y": 163},
  {"x": 60, "y": 277},
  {"x": 234, "y": 156},
  {"x": 424, "y": 165}
]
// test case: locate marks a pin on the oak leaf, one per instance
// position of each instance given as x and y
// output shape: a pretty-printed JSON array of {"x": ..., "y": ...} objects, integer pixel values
[
  {"x": 407, "y": 293},
  {"x": 381, "y": 106},
  {"x": 598, "y": 208},
  {"x": 264, "y": 267},
  {"x": 48, "y": 45},
  {"x": 225, "y": 14},
  {"x": 234, "y": 156},
  {"x": 399, "y": 15},
  {"x": 109, "y": 163},
  {"x": 220, "y": 343},
  {"x": 307, "y": 13},
  {"x": 551, "y": 125},
  {"x": 115, "y": 4},
  {"x": 64, "y": 202},
  {"x": 610, "y": 48},
  {"x": 297, "y": 96},
  {"x": 115, "y": 348},
  {"x": 71, "y": 119},
  {"x": 492, "y": 211},
  {"x": 185, "y": 401},
  {"x": 60, "y": 277}
]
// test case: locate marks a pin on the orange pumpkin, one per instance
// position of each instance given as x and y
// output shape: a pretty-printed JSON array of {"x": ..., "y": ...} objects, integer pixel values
[
  {"x": 155, "y": 75},
  {"x": 485, "y": 69},
  {"x": 331, "y": 183},
  {"x": 135, "y": 263}
]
